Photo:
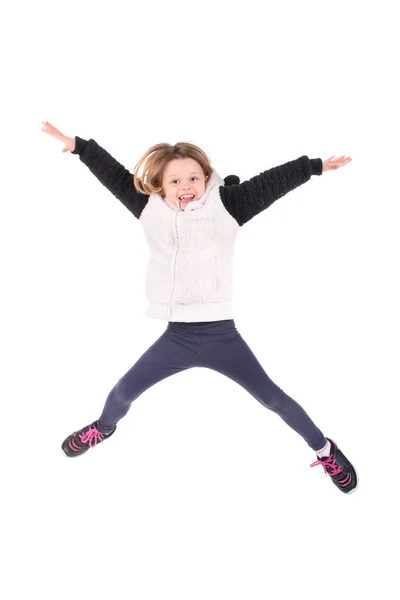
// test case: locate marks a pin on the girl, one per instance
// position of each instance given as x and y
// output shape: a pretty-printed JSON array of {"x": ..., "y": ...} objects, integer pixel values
[{"x": 190, "y": 220}]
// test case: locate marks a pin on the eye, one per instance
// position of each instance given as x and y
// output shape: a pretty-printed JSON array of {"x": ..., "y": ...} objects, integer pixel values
[{"x": 194, "y": 178}]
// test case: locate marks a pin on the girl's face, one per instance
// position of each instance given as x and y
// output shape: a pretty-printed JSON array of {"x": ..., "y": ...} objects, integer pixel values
[{"x": 183, "y": 181}]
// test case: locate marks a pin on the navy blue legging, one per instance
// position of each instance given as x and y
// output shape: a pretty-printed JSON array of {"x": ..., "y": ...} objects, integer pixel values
[{"x": 214, "y": 345}]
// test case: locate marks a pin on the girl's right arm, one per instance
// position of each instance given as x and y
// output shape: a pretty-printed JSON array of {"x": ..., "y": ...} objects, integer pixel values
[{"x": 113, "y": 175}]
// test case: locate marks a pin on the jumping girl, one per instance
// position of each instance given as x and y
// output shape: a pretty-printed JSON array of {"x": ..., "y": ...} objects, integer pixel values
[{"x": 191, "y": 217}]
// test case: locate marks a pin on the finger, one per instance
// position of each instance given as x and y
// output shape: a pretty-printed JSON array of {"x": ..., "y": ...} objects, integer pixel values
[{"x": 342, "y": 163}]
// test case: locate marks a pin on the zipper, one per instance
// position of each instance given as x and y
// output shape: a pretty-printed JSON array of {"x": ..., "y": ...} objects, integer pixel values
[{"x": 174, "y": 271}]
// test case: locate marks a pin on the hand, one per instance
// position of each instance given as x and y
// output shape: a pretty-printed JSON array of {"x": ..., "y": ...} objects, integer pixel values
[
  {"x": 51, "y": 130},
  {"x": 333, "y": 163}
]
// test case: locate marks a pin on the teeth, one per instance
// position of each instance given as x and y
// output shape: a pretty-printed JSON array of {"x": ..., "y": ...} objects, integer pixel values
[{"x": 187, "y": 196}]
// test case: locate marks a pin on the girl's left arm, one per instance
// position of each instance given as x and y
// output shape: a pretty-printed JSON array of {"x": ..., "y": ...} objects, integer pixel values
[{"x": 246, "y": 200}]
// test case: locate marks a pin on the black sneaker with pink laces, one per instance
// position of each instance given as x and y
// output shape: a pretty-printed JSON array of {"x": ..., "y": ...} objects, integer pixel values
[
  {"x": 339, "y": 469},
  {"x": 80, "y": 441}
]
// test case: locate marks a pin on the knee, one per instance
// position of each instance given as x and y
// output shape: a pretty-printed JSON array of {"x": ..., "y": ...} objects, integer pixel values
[
  {"x": 120, "y": 393},
  {"x": 277, "y": 400}
]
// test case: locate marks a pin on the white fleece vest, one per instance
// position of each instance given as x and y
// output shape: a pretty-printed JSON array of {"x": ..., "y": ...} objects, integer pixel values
[{"x": 190, "y": 271}]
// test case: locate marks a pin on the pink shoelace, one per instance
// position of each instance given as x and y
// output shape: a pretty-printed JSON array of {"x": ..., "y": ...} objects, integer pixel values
[
  {"x": 334, "y": 469},
  {"x": 93, "y": 435}
]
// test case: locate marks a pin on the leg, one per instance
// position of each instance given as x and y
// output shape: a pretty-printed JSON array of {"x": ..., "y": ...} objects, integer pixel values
[
  {"x": 168, "y": 355},
  {"x": 229, "y": 354}
]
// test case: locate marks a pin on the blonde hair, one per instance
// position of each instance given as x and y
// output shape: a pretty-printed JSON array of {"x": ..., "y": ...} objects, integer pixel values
[{"x": 153, "y": 162}]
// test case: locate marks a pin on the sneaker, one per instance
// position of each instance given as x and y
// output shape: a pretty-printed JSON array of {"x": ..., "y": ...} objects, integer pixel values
[
  {"x": 339, "y": 469},
  {"x": 80, "y": 441}
]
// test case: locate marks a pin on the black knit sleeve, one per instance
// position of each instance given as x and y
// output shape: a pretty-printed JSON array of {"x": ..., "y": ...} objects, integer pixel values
[
  {"x": 117, "y": 179},
  {"x": 246, "y": 200}
]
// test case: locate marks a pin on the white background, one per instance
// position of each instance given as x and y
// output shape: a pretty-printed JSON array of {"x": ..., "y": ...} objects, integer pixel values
[{"x": 201, "y": 492}]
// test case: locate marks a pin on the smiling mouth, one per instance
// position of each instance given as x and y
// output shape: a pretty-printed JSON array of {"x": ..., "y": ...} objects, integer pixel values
[{"x": 187, "y": 198}]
